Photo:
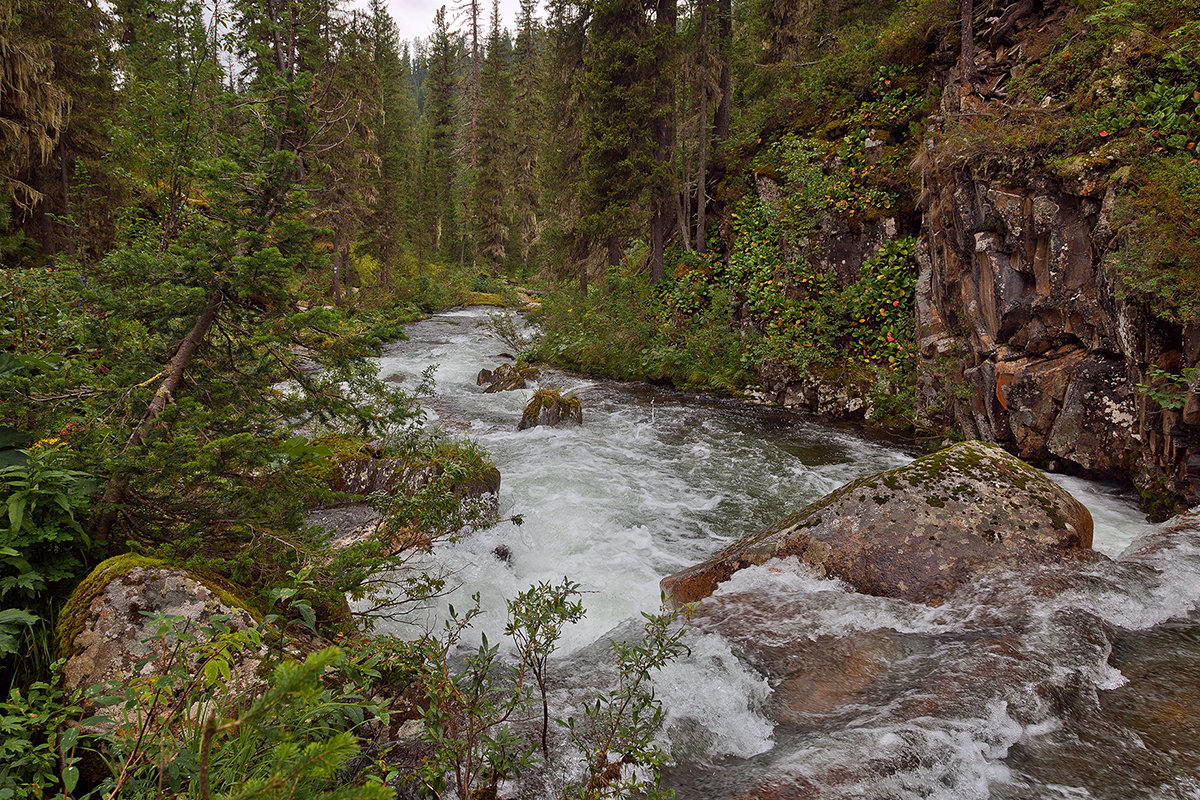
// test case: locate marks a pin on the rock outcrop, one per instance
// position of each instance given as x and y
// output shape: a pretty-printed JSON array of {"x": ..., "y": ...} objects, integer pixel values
[
  {"x": 368, "y": 475},
  {"x": 125, "y": 618},
  {"x": 833, "y": 398},
  {"x": 1025, "y": 336},
  {"x": 551, "y": 408},
  {"x": 917, "y": 532}
]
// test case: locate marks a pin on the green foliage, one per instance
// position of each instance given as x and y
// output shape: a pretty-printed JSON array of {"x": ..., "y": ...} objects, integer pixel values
[
  {"x": 626, "y": 329},
  {"x": 619, "y": 726},
  {"x": 474, "y": 707},
  {"x": 39, "y": 753},
  {"x": 1158, "y": 252},
  {"x": 44, "y": 548},
  {"x": 1167, "y": 389}
]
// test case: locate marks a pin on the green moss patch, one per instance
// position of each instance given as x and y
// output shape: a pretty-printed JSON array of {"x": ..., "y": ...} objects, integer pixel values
[{"x": 73, "y": 617}]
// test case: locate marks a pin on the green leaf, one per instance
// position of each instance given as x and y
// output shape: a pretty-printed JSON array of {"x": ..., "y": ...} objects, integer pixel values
[
  {"x": 70, "y": 777},
  {"x": 67, "y": 740},
  {"x": 16, "y": 511}
]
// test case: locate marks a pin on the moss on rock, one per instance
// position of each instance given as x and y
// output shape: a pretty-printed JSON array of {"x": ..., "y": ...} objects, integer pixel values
[{"x": 73, "y": 618}]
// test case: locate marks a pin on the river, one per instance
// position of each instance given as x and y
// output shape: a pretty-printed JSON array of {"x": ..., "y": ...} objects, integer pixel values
[{"x": 1077, "y": 682}]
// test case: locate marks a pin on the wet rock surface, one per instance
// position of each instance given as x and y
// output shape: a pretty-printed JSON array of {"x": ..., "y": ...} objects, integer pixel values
[
  {"x": 551, "y": 408},
  {"x": 1025, "y": 333},
  {"x": 917, "y": 532},
  {"x": 506, "y": 377}
]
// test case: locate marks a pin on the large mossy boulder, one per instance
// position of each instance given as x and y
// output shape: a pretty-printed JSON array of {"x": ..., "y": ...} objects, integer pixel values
[
  {"x": 551, "y": 408},
  {"x": 917, "y": 532},
  {"x": 128, "y": 617}
]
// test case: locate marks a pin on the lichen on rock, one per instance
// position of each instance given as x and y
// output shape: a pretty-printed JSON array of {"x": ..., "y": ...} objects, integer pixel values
[
  {"x": 918, "y": 532},
  {"x": 112, "y": 626}
]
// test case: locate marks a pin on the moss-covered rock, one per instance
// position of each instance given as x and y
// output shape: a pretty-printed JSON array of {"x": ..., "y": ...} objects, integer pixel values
[
  {"x": 109, "y": 629},
  {"x": 483, "y": 299},
  {"x": 552, "y": 408},
  {"x": 917, "y": 532}
]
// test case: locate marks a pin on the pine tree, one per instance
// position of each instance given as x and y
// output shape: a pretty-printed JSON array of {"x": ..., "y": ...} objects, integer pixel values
[
  {"x": 661, "y": 183},
  {"x": 439, "y": 121},
  {"x": 75, "y": 35},
  {"x": 560, "y": 165},
  {"x": 33, "y": 112},
  {"x": 391, "y": 227}
]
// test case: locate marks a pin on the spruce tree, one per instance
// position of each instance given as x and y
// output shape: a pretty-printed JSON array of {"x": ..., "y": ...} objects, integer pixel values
[
  {"x": 528, "y": 129},
  {"x": 439, "y": 121},
  {"x": 494, "y": 170},
  {"x": 619, "y": 147}
]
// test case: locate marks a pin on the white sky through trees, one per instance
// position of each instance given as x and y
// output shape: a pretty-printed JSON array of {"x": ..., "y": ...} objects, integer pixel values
[{"x": 414, "y": 18}]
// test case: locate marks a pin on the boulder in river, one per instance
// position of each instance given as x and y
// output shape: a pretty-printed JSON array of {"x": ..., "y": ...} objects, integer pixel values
[
  {"x": 917, "y": 532},
  {"x": 552, "y": 408},
  {"x": 506, "y": 377}
]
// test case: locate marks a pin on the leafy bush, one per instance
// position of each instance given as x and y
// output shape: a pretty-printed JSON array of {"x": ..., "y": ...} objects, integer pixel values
[
  {"x": 39, "y": 753},
  {"x": 43, "y": 549}
]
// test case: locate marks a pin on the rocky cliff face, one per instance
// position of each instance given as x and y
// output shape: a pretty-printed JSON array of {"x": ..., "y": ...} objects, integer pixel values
[{"x": 1024, "y": 335}]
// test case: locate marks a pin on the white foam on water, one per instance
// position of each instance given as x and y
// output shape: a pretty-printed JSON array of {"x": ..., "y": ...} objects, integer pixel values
[
  {"x": 712, "y": 703},
  {"x": 1116, "y": 520},
  {"x": 652, "y": 483}
]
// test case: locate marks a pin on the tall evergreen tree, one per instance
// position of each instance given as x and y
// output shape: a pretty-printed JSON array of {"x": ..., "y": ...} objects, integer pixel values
[
  {"x": 528, "y": 128},
  {"x": 33, "y": 112},
  {"x": 439, "y": 120},
  {"x": 619, "y": 148},
  {"x": 494, "y": 169},
  {"x": 561, "y": 163},
  {"x": 392, "y": 226},
  {"x": 661, "y": 183},
  {"x": 76, "y": 34}
]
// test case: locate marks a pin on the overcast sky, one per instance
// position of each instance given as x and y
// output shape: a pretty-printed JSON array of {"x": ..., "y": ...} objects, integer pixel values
[{"x": 414, "y": 18}]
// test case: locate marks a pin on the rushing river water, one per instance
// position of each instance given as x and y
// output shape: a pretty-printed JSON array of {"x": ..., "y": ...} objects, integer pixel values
[{"x": 1077, "y": 681}]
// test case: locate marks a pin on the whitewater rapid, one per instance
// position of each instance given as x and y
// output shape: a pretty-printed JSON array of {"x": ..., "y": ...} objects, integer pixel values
[{"x": 968, "y": 700}]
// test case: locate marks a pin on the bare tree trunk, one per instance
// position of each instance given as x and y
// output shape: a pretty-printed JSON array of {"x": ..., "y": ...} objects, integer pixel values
[
  {"x": 681, "y": 217},
  {"x": 658, "y": 237},
  {"x": 45, "y": 219},
  {"x": 337, "y": 276},
  {"x": 702, "y": 172},
  {"x": 968, "y": 43},
  {"x": 172, "y": 377},
  {"x": 65, "y": 179}
]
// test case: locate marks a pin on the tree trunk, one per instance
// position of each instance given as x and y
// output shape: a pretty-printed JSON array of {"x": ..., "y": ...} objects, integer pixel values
[
  {"x": 724, "y": 45},
  {"x": 665, "y": 21},
  {"x": 702, "y": 172},
  {"x": 658, "y": 236},
  {"x": 172, "y": 377},
  {"x": 968, "y": 43},
  {"x": 65, "y": 187},
  {"x": 337, "y": 276}
]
